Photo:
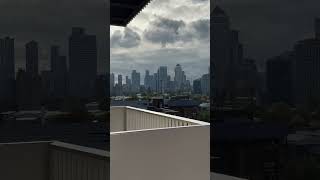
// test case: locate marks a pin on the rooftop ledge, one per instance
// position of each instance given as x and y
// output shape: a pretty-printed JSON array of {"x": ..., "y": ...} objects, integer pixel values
[
  {"x": 144, "y": 144},
  {"x": 126, "y": 119}
]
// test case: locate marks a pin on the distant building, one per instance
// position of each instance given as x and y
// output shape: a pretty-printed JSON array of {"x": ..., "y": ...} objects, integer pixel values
[
  {"x": 135, "y": 76},
  {"x": 112, "y": 79},
  {"x": 59, "y": 76},
  {"x": 205, "y": 84},
  {"x": 147, "y": 80},
  {"x": 119, "y": 85},
  {"x": 32, "y": 58},
  {"x": 178, "y": 76},
  {"x": 307, "y": 68},
  {"x": 279, "y": 79},
  {"x": 162, "y": 79},
  {"x": 119, "y": 79},
  {"x": 247, "y": 78},
  {"x": 82, "y": 63},
  {"x": 28, "y": 91},
  {"x": 220, "y": 48},
  {"x": 197, "y": 86},
  {"x": 7, "y": 71}
]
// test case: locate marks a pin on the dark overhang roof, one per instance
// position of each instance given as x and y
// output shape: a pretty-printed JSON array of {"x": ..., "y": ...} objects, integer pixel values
[{"x": 123, "y": 11}]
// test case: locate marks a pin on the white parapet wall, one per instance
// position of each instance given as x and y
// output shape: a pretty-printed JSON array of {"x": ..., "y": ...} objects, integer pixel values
[{"x": 171, "y": 151}]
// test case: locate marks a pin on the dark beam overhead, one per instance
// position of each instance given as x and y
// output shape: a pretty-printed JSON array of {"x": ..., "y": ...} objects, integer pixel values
[{"x": 123, "y": 11}]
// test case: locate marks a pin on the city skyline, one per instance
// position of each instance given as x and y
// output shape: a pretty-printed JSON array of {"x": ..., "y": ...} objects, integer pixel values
[
  {"x": 163, "y": 34},
  {"x": 49, "y": 22},
  {"x": 171, "y": 72},
  {"x": 159, "y": 82},
  {"x": 31, "y": 88},
  {"x": 273, "y": 20}
]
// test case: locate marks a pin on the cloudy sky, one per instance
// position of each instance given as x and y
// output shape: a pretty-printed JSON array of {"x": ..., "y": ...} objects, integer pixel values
[
  {"x": 269, "y": 27},
  {"x": 165, "y": 33}
]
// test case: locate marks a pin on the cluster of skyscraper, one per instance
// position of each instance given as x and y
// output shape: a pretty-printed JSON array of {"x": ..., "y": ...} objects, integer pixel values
[
  {"x": 31, "y": 89},
  {"x": 160, "y": 82},
  {"x": 232, "y": 74},
  {"x": 294, "y": 76}
]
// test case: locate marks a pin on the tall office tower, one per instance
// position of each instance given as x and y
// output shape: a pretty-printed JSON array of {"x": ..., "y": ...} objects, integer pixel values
[
  {"x": 224, "y": 49},
  {"x": 28, "y": 90},
  {"x": 236, "y": 62},
  {"x": 32, "y": 58},
  {"x": 155, "y": 83},
  {"x": 61, "y": 78},
  {"x": 135, "y": 76},
  {"x": 197, "y": 86},
  {"x": 112, "y": 79},
  {"x": 127, "y": 87},
  {"x": 46, "y": 83},
  {"x": 279, "y": 79},
  {"x": 119, "y": 86},
  {"x": 147, "y": 82},
  {"x": 205, "y": 84},
  {"x": 120, "y": 80},
  {"x": 317, "y": 28},
  {"x": 307, "y": 70},
  {"x": 58, "y": 73},
  {"x": 54, "y": 55},
  {"x": 247, "y": 79},
  {"x": 128, "y": 81},
  {"x": 163, "y": 79},
  {"x": 178, "y": 77},
  {"x": 82, "y": 63},
  {"x": 7, "y": 71}
]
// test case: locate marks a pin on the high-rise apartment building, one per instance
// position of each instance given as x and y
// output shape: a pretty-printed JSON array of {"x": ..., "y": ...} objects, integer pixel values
[
  {"x": 135, "y": 76},
  {"x": 178, "y": 76},
  {"x": 82, "y": 63},
  {"x": 32, "y": 58},
  {"x": 7, "y": 70}
]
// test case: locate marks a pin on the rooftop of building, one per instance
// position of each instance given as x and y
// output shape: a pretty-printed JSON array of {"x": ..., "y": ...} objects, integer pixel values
[{"x": 88, "y": 134}]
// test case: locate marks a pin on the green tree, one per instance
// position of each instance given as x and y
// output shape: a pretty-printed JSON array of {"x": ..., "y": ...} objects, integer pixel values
[
  {"x": 76, "y": 111},
  {"x": 279, "y": 113},
  {"x": 302, "y": 169},
  {"x": 298, "y": 121},
  {"x": 204, "y": 116}
]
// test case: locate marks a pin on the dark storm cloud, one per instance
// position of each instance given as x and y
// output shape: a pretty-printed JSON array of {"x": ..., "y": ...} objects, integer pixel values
[
  {"x": 269, "y": 27},
  {"x": 164, "y": 31},
  {"x": 168, "y": 31},
  {"x": 126, "y": 39},
  {"x": 50, "y": 22},
  {"x": 201, "y": 29}
]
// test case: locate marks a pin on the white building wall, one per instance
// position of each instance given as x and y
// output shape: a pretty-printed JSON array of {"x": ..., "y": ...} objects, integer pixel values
[{"x": 162, "y": 154}]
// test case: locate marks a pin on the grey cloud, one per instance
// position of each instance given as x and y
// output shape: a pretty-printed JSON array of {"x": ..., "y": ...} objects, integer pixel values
[
  {"x": 168, "y": 31},
  {"x": 164, "y": 31},
  {"x": 201, "y": 28},
  {"x": 199, "y": 1},
  {"x": 126, "y": 39}
]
